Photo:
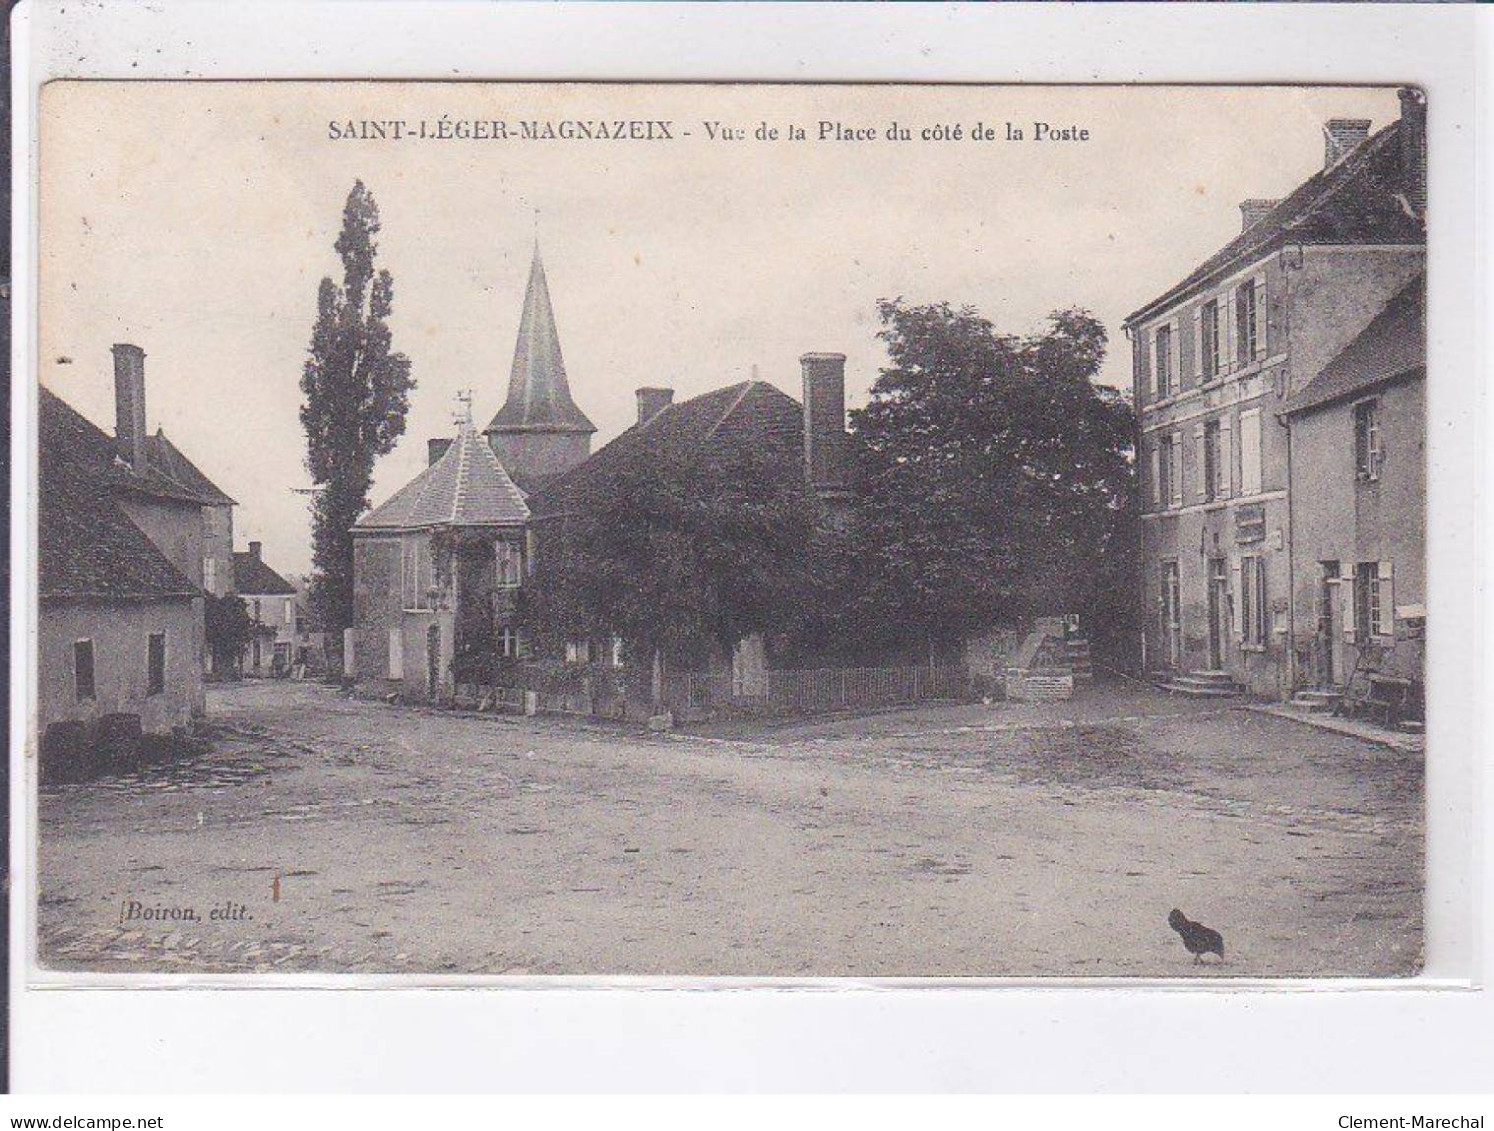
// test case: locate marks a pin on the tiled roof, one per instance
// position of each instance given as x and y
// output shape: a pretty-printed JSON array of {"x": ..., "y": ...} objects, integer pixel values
[
  {"x": 539, "y": 396},
  {"x": 752, "y": 416},
  {"x": 166, "y": 457},
  {"x": 252, "y": 578},
  {"x": 467, "y": 486},
  {"x": 1361, "y": 199},
  {"x": 168, "y": 475},
  {"x": 1393, "y": 345},
  {"x": 87, "y": 546}
]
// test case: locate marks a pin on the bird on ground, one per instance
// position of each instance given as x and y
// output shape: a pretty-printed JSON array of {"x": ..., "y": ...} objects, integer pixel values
[{"x": 1199, "y": 940}]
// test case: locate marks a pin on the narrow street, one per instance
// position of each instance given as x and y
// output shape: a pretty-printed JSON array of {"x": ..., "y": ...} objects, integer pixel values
[{"x": 330, "y": 834}]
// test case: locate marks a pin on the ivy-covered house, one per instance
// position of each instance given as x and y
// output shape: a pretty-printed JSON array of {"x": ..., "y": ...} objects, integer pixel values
[{"x": 436, "y": 573}]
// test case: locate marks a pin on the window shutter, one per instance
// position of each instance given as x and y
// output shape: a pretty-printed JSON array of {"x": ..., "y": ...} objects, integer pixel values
[
  {"x": 1231, "y": 304},
  {"x": 1260, "y": 316},
  {"x": 1176, "y": 347},
  {"x": 1237, "y": 600},
  {"x": 1226, "y": 458},
  {"x": 1200, "y": 445},
  {"x": 1198, "y": 343},
  {"x": 1250, "y": 452},
  {"x": 1177, "y": 469},
  {"x": 1159, "y": 389},
  {"x": 1156, "y": 469},
  {"x": 1347, "y": 604},
  {"x": 1386, "y": 627}
]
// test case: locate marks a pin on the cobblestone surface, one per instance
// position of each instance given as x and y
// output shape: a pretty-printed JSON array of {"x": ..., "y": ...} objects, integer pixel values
[{"x": 331, "y": 835}]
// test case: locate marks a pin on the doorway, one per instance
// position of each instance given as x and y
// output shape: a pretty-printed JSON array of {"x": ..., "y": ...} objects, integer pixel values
[
  {"x": 1330, "y": 626},
  {"x": 1172, "y": 615},
  {"x": 1218, "y": 613}
]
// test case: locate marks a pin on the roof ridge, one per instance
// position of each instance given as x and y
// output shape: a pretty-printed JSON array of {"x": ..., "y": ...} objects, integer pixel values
[{"x": 731, "y": 408}]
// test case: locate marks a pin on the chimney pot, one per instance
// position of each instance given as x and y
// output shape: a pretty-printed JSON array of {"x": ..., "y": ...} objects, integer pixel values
[
  {"x": 435, "y": 448},
  {"x": 652, "y": 401},
  {"x": 824, "y": 421},
  {"x": 1341, "y": 136},
  {"x": 254, "y": 549},
  {"x": 1252, "y": 212},
  {"x": 129, "y": 403}
]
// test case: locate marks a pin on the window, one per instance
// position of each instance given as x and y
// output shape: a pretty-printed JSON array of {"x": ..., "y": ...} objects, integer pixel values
[
  {"x": 1250, "y": 452},
  {"x": 1209, "y": 340},
  {"x": 578, "y": 652},
  {"x": 210, "y": 573},
  {"x": 1368, "y": 611},
  {"x": 509, "y": 563},
  {"x": 1369, "y": 447},
  {"x": 1211, "y": 460},
  {"x": 415, "y": 573},
  {"x": 1164, "y": 471},
  {"x": 155, "y": 663},
  {"x": 83, "y": 670},
  {"x": 254, "y": 609},
  {"x": 1245, "y": 323},
  {"x": 290, "y": 612},
  {"x": 508, "y": 643},
  {"x": 1253, "y": 612},
  {"x": 1162, "y": 360}
]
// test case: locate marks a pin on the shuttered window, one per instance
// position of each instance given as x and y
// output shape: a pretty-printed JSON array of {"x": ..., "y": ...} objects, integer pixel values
[
  {"x": 1209, "y": 340},
  {"x": 1162, "y": 361},
  {"x": 416, "y": 578},
  {"x": 508, "y": 565},
  {"x": 1254, "y": 614},
  {"x": 155, "y": 663},
  {"x": 1369, "y": 445}
]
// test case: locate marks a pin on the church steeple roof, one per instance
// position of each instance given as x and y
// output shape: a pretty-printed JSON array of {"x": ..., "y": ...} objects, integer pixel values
[{"x": 539, "y": 397}]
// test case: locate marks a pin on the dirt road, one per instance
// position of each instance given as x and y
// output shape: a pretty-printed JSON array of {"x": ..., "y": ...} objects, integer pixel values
[{"x": 338, "y": 835}]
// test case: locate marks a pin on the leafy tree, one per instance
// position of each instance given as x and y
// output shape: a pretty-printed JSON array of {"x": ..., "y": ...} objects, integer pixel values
[
  {"x": 357, "y": 394},
  {"x": 677, "y": 561},
  {"x": 995, "y": 478},
  {"x": 229, "y": 630}
]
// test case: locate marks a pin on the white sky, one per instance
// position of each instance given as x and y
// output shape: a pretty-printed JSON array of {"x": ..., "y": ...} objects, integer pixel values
[{"x": 196, "y": 220}]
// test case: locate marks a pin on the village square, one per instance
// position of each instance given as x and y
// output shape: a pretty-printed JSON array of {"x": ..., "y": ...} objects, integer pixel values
[{"x": 1008, "y": 672}]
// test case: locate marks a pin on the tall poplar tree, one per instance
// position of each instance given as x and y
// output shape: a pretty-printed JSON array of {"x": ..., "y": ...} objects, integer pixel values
[{"x": 357, "y": 393}]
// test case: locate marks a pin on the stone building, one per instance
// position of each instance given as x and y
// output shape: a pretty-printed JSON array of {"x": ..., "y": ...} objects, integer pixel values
[
  {"x": 271, "y": 603},
  {"x": 436, "y": 572},
  {"x": 120, "y": 616},
  {"x": 1216, "y": 358},
  {"x": 1358, "y": 490}
]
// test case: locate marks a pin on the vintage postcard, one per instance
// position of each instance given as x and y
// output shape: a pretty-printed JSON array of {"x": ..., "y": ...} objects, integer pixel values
[{"x": 883, "y": 531}]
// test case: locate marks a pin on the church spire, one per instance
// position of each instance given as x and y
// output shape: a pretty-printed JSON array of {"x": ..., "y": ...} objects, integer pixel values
[
  {"x": 539, "y": 396},
  {"x": 539, "y": 431}
]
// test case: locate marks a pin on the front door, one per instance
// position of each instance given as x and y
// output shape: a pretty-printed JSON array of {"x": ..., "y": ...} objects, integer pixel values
[
  {"x": 1218, "y": 613},
  {"x": 1172, "y": 615},
  {"x": 1330, "y": 628}
]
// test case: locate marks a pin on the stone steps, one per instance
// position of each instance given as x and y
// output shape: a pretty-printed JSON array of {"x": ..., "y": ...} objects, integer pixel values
[
  {"x": 1201, "y": 685},
  {"x": 1316, "y": 702}
]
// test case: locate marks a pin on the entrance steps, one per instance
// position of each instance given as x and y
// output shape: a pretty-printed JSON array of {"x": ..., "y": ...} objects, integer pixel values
[
  {"x": 1316, "y": 702},
  {"x": 1201, "y": 685}
]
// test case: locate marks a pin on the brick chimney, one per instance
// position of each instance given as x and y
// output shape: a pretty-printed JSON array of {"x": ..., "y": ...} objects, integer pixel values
[
  {"x": 129, "y": 403},
  {"x": 1413, "y": 134},
  {"x": 652, "y": 401},
  {"x": 254, "y": 550},
  {"x": 1251, "y": 212},
  {"x": 1340, "y": 136},
  {"x": 825, "y": 422},
  {"x": 435, "y": 448}
]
